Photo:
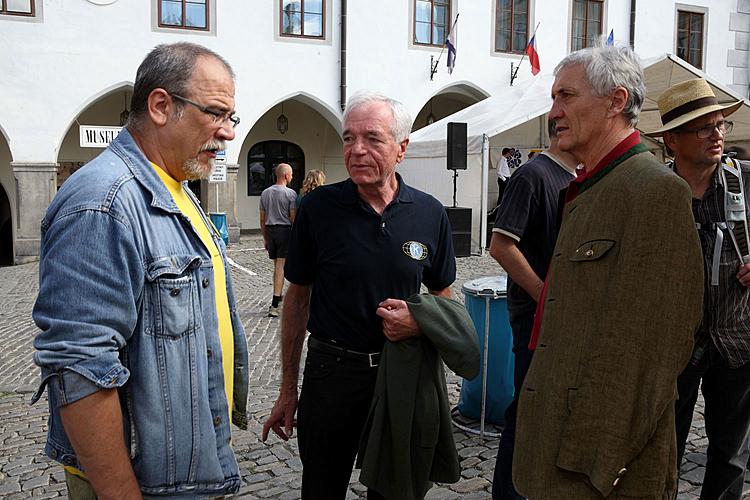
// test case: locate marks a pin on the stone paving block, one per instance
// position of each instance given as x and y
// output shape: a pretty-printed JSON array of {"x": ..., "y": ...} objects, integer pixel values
[
  {"x": 471, "y": 485},
  {"x": 695, "y": 476},
  {"x": 441, "y": 493},
  {"x": 696, "y": 458},
  {"x": 9, "y": 486}
]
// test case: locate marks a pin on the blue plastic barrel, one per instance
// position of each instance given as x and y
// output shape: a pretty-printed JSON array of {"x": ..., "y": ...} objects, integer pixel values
[
  {"x": 478, "y": 293},
  {"x": 219, "y": 220}
]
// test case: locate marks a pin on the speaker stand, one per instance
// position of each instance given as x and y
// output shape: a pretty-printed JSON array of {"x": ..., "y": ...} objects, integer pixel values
[{"x": 455, "y": 177}]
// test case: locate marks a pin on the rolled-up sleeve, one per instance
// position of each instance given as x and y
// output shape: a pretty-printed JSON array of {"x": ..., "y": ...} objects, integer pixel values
[{"x": 90, "y": 282}]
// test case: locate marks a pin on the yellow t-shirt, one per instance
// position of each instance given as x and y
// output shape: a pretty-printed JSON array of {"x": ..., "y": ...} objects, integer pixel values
[{"x": 226, "y": 337}]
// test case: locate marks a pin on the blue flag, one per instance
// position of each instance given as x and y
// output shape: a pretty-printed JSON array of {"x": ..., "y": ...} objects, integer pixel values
[
  {"x": 611, "y": 37},
  {"x": 451, "y": 43}
]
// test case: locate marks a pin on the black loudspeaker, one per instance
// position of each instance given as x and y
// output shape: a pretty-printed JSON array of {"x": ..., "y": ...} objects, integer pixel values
[
  {"x": 456, "y": 146},
  {"x": 460, "y": 221}
]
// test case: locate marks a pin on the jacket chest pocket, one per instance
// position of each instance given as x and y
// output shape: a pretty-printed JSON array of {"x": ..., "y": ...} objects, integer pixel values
[
  {"x": 172, "y": 296},
  {"x": 592, "y": 250}
]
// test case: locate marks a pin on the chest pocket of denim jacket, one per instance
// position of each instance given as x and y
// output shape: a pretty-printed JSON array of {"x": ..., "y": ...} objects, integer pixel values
[{"x": 173, "y": 296}]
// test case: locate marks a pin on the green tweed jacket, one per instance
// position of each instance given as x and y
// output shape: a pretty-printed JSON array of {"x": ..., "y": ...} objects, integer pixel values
[
  {"x": 596, "y": 411},
  {"x": 408, "y": 438}
]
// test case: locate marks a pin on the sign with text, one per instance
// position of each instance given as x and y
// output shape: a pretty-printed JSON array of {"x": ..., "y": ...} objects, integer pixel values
[
  {"x": 95, "y": 136},
  {"x": 219, "y": 173}
]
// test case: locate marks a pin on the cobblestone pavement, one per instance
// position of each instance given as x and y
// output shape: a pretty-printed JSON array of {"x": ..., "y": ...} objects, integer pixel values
[{"x": 270, "y": 470}]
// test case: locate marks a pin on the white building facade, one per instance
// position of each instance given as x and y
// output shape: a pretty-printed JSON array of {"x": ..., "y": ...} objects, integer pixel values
[{"x": 71, "y": 63}]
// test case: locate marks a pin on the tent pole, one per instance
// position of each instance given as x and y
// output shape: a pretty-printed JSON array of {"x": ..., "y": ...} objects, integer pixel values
[{"x": 483, "y": 198}]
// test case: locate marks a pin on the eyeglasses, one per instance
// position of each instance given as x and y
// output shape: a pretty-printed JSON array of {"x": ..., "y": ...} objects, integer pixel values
[
  {"x": 220, "y": 118},
  {"x": 707, "y": 131}
]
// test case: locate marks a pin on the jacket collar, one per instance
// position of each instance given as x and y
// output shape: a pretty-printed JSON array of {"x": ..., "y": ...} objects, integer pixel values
[{"x": 126, "y": 148}]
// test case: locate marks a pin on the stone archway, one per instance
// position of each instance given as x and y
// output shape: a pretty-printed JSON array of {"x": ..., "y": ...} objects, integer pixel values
[
  {"x": 6, "y": 229},
  {"x": 308, "y": 137},
  {"x": 446, "y": 102},
  {"x": 7, "y": 204}
]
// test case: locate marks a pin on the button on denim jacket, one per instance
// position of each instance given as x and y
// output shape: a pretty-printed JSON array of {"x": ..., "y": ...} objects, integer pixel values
[{"x": 126, "y": 300}]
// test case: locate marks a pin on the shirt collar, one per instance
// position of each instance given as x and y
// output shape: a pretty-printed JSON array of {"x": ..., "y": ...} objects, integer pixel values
[
  {"x": 628, "y": 147},
  {"x": 405, "y": 194}
]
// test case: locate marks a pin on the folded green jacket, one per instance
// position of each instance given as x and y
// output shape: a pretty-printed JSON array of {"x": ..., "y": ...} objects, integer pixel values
[{"x": 407, "y": 442}]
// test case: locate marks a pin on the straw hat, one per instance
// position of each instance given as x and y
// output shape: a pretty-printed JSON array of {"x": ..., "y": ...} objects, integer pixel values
[{"x": 687, "y": 101}]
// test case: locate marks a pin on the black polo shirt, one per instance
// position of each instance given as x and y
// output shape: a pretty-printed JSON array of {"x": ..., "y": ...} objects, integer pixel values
[
  {"x": 529, "y": 215},
  {"x": 355, "y": 258}
]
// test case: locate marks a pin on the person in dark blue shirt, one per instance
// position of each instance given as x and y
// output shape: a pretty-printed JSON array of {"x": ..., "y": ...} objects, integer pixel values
[{"x": 359, "y": 248}]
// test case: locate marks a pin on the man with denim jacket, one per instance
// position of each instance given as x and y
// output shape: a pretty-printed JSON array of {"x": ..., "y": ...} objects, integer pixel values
[{"x": 141, "y": 349}]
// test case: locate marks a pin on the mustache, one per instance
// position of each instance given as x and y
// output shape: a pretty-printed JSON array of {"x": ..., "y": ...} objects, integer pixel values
[{"x": 214, "y": 145}]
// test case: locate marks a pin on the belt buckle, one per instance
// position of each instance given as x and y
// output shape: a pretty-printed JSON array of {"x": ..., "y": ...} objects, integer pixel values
[{"x": 371, "y": 359}]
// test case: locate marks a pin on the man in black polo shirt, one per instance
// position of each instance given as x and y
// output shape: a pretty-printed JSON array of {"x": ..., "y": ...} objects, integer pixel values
[
  {"x": 359, "y": 247},
  {"x": 522, "y": 242}
]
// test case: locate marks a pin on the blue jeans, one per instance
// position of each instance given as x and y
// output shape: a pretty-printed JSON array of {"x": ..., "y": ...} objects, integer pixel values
[
  {"x": 502, "y": 482},
  {"x": 726, "y": 392}
]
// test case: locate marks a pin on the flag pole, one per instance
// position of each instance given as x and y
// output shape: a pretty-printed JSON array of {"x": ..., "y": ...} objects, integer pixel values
[
  {"x": 514, "y": 74},
  {"x": 434, "y": 64}
]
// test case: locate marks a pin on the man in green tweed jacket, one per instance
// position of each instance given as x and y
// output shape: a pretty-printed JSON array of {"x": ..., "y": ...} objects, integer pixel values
[{"x": 615, "y": 323}]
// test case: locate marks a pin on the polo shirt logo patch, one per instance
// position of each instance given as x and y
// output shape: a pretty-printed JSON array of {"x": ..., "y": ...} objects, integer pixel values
[{"x": 415, "y": 250}]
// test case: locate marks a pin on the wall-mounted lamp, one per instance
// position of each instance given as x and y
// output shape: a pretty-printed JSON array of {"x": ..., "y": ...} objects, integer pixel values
[
  {"x": 125, "y": 113},
  {"x": 282, "y": 122}
]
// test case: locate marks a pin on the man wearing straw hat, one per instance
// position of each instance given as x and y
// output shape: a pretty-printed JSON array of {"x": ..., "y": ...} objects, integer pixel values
[{"x": 694, "y": 129}]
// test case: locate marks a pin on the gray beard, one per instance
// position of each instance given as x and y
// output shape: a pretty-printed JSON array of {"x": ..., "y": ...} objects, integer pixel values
[{"x": 194, "y": 171}]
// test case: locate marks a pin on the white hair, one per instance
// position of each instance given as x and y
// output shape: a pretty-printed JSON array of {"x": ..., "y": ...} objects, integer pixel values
[
  {"x": 608, "y": 67},
  {"x": 401, "y": 125}
]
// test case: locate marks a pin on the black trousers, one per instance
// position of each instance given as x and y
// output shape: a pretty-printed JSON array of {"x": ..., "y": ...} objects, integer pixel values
[
  {"x": 500, "y": 190},
  {"x": 333, "y": 406},
  {"x": 726, "y": 393},
  {"x": 502, "y": 482}
]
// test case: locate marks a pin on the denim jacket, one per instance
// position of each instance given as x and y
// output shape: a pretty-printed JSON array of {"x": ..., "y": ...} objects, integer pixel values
[{"x": 126, "y": 300}]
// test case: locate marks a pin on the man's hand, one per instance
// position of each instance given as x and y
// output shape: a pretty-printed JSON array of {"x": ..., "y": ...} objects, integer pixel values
[
  {"x": 398, "y": 322},
  {"x": 743, "y": 275},
  {"x": 282, "y": 414}
]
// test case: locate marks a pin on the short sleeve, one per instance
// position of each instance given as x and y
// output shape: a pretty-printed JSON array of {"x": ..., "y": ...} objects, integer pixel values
[
  {"x": 442, "y": 271},
  {"x": 301, "y": 257},
  {"x": 517, "y": 206}
]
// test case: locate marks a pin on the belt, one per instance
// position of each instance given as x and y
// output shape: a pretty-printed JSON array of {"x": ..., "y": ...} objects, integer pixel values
[{"x": 371, "y": 358}]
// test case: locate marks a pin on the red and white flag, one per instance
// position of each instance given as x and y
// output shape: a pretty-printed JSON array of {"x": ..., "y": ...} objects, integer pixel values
[{"x": 533, "y": 56}]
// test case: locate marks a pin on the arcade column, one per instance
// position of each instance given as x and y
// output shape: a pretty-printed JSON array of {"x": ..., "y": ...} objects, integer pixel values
[{"x": 36, "y": 185}]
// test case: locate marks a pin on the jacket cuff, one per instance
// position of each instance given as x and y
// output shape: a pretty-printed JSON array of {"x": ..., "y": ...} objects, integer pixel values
[{"x": 76, "y": 382}]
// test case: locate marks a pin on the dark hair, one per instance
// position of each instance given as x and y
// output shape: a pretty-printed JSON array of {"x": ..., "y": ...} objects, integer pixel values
[
  {"x": 169, "y": 67},
  {"x": 506, "y": 151}
]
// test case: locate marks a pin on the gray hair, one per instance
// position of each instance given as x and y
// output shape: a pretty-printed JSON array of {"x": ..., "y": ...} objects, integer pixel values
[
  {"x": 608, "y": 67},
  {"x": 401, "y": 125},
  {"x": 169, "y": 67}
]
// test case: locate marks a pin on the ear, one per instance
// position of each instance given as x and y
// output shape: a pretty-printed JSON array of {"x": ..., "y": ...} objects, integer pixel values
[
  {"x": 402, "y": 150},
  {"x": 619, "y": 98},
  {"x": 160, "y": 107},
  {"x": 670, "y": 140}
]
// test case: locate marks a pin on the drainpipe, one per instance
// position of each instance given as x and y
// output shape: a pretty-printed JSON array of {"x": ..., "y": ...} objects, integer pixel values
[
  {"x": 632, "y": 24},
  {"x": 342, "y": 87}
]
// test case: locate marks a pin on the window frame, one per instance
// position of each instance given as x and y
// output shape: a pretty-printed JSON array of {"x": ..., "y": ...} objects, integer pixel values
[
  {"x": 183, "y": 27},
  {"x": 691, "y": 11},
  {"x": 585, "y": 23},
  {"x": 5, "y": 12},
  {"x": 302, "y": 35},
  {"x": 449, "y": 5},
  {"x": 496, "y": 31}
]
